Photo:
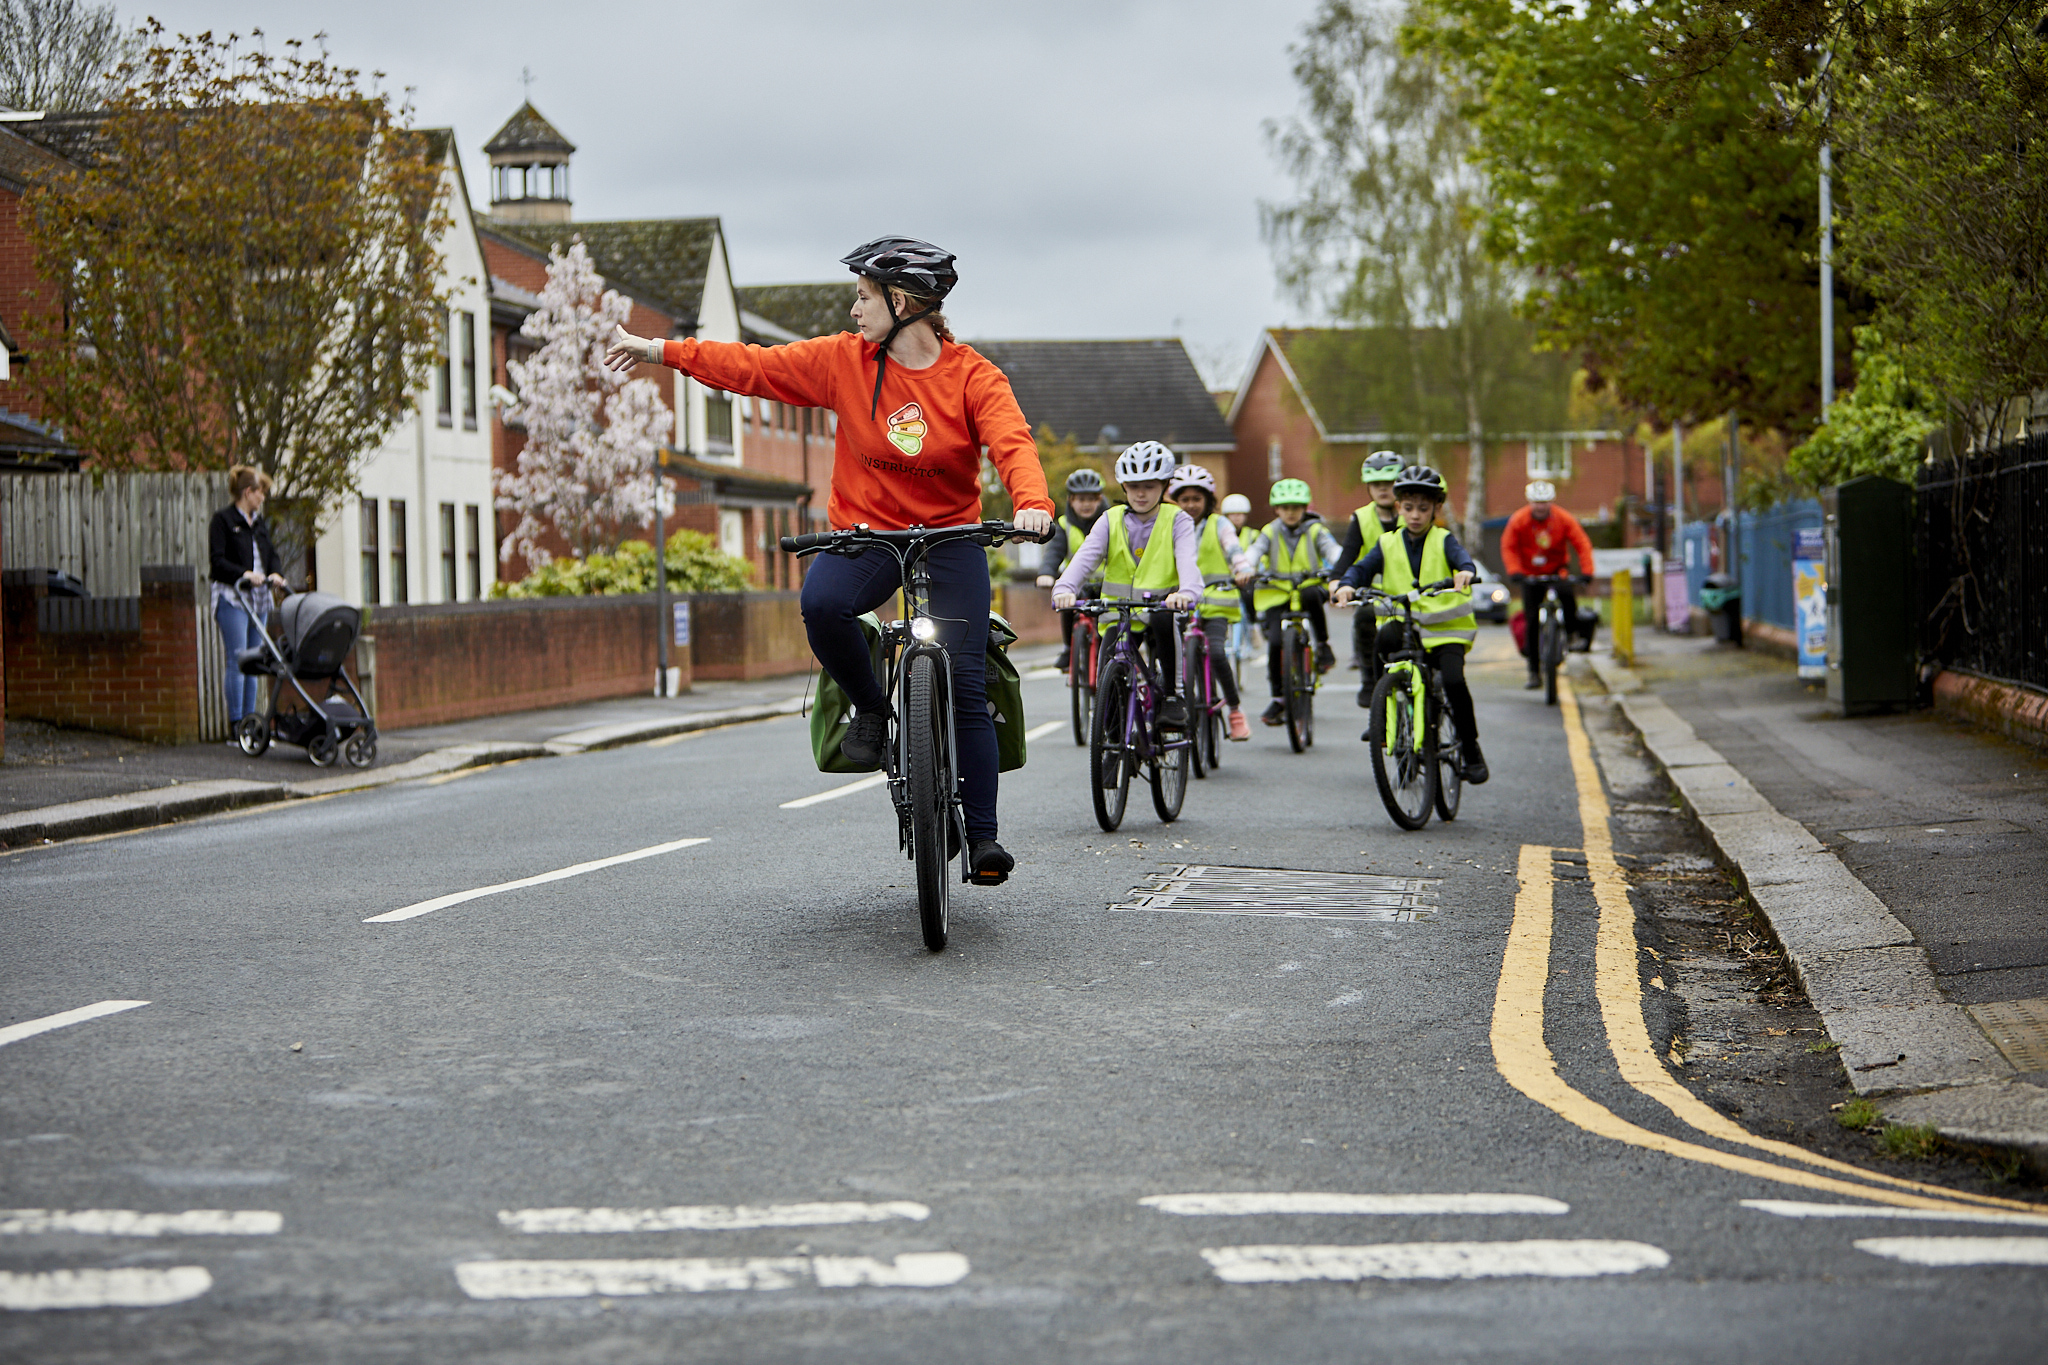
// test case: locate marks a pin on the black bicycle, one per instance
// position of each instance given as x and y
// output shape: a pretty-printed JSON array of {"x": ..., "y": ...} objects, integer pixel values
[
  {"x": 920, "y": 756},
  {"x": 1553, "y": 635},
  {"x": 1299, "y": 676},
  {"x": 1417, "y": 760}
]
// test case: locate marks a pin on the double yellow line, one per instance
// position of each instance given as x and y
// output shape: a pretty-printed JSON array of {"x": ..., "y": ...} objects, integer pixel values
[{"x": 1525, "y": 1060}]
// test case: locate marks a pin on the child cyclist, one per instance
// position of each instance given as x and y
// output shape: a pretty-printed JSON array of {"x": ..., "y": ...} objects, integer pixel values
[
  {"x": 1084, "y": 507},
  {"x": 1422, "y": 552},
  {"x": 1295, "y": 543},
  {"x": 1237, "y": 510},
  {"x": 1368, "y": 524},
  {"x": 1146, "y": 545},
  {"x": 1224, "y": 567}
]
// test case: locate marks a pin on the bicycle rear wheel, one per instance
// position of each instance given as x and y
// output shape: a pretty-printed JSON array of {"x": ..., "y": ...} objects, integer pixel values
[
  {"x": 1450, "y": 761},
  {"x": 1550, "y": 649},
  {"x": 1170, "y": 777},
  {"x": 1194, "y": 676},
  {"x": 1291, "y": 683},
  {"x": 1109, "y": 756},
  {"x": 1080, "y": 681},
  {"x": 926, "y": 767},
  {"x": 1400, "y": 768},
  {"x": 1311, "y": 678}
]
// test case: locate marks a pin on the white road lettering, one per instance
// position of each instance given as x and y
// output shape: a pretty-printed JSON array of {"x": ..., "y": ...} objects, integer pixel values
[
  {"x": 618, "y": 1279},
  {"x": 867, "y": 783},
  {"x": 1432, "y": 1261},
  {"x": 1200, "y": 1205},
  {"x": 709, "y": 1217},
  {"x": 29, "y": 1028},
  {"x": 1951, "y": 1251},
  {"x": 120, "y": 1288},
  {"x": 458, "y": 897},
  {"x": 128, "y": 1223},
  {"x": 1790, "y": 1208}
]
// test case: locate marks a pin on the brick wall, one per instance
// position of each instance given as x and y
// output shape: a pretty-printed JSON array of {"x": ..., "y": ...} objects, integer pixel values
[
  {"x": 142, "y": 683},
  {"x": 459, "y": 660},
  {"x": 747, "y": 635}
]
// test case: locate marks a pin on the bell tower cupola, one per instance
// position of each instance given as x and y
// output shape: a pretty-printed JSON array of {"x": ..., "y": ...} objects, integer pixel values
[{"x": 529, "y": 170}]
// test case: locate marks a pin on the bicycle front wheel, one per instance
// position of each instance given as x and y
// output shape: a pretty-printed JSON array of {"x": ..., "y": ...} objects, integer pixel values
[
  {"x": 1400, "y": 768},
  {"x": 1550, "y": 649},
  {"x": 1194, "y": 674},
  {"x": 1170, "y": 777},
  {"x": 925, "y": 770},
  {"x": 1292, "y": 683},
  {"x": 1109, "y": 755},
  {"x": 1080, "y": 683},
  {"x": 1450, "y": 762}
]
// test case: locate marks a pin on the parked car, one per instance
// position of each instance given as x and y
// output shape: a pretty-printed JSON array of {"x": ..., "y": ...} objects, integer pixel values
[{"x": 1490, "y": 597}]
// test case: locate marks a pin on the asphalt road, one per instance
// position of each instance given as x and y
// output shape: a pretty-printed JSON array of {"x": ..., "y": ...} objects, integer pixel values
[{"x": 718, "y": 1103}]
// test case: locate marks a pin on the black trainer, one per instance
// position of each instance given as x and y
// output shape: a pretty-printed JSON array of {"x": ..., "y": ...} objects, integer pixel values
[
  {"x": 1473, "y": 769},
  {"x": 991, "y": 862},
  {"x": 1326, "y": 658},
  {"x": 1535, "y": 681},
  {"x": 1172, "y": 713},
  {"x": 1365, "y": 693},
  {"x": 865, "y": 735},
  {"x": 1061, "y": 662},
  {"x": 1275, "y": 713}
]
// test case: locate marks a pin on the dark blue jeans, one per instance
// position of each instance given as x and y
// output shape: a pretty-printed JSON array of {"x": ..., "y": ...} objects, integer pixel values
[
  {"x": 238, "y": 631},
  {"x": 837, "y": 590}
]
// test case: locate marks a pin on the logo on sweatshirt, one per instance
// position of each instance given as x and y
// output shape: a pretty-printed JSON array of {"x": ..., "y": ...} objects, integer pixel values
[{"x": 907, "y": 429}]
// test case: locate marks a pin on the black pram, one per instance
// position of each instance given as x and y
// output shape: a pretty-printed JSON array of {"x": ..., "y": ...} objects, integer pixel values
[{"x": 315, "y": 632}]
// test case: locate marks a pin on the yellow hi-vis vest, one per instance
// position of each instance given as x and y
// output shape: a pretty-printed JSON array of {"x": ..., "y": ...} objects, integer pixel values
[
  {"x": 1075, "y": 535},
  {"x": 1219, "y": 589},
  {"x": 1371, "y": 528},
  {"x": 1126, "y": 575},
  {"x": 1445, "y": 618},
  {"x": 1279, "y": 560}
]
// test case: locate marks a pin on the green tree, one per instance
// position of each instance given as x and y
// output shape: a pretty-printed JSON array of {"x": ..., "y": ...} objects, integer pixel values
[
  {"x": 1386, "y": 230},
  {"x": 1670, "y": 227},
  {"x": 249, "y": 264},
  {"x": 1881, "y": 427}
]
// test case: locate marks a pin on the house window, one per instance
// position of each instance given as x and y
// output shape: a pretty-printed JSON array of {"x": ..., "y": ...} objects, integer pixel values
[
  {"x": 1550, "y": 460},
  {"x": 718, "y": 422},
  {"x": 475, "y": 549},
  {"x": 400, "y": 583},
  {"x": 444, "y": 388},
  {"x": 469, "y": 372},
  {"x": 369, "y": 529},
  {"x": 447, "y": 552},
  {"x": 732, "y": 532}
]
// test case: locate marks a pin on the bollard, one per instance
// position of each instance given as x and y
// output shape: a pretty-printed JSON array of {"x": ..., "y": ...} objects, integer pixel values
[{"x": 1622, "y": 610}]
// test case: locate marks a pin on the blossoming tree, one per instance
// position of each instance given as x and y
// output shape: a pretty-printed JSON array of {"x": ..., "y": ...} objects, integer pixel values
[{"x": 587, "y": 472}]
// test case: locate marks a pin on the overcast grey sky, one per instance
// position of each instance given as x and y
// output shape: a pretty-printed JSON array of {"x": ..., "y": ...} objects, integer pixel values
[{"x": 1096, "y": 164}]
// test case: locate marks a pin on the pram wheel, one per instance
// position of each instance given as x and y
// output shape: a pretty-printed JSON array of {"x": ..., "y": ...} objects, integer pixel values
[
  {"x": 361, "y": 749},
  {"x": 253, "y": 734},
  {"x": 322, "y": 749}
]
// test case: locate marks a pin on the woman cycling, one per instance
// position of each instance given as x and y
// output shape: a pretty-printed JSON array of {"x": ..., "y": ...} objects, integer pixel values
[{"x": 915, "y": 410}]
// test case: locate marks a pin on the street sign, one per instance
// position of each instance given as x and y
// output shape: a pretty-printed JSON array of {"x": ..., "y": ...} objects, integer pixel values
[{"x": 681, "y": 611}]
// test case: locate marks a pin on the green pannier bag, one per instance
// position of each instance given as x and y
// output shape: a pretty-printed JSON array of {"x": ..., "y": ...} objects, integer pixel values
[{"x": 833, "y": 708}]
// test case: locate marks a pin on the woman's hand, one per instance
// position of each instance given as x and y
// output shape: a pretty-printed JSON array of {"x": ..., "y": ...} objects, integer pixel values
[
  {"x": 1063, "y": 600},
  {"x": 254, "y": 578},
  {"x": 1342, "y": 597},
  {"x": 626, "y": 350},
  {"x": 1033, "y": 521},
  {"x": 276, "y": 580}
]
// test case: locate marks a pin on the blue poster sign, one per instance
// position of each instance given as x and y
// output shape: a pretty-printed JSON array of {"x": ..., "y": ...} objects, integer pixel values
[
  {"x": 682, "y": 623},
  {"x": 1810, "y": 592}
]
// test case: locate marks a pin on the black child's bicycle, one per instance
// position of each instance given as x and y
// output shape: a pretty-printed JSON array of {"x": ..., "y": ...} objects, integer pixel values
[
  {"x": 921, "y": 755},
  {"x": 1299, "y": 676},
  {"x": 1417, "y": 761}
]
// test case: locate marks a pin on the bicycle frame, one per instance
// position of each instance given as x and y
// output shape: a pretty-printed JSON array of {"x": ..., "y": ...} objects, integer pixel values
[{"x": 1145, "y": 685}]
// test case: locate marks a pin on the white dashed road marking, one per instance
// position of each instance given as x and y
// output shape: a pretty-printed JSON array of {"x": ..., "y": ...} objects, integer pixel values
[
  {"x": 128, "y": 1223},
  {"x": 1432, "y": 1261},
  {"x": 121, "y": 1288},
  {"x": 1787, "y": 1208},
  {"x": 583, "y": 1279},
  {"x": 867, "y": 783},
  {"x": 457, "y": 898},
  {"x": 1952, "y": 1251},
  {"x": 1388, "y": 1204},
  {"x": 29, "y": 1028},
  {"x": 1040, "y": 731},
  {"x": 708, "y": 1217}
]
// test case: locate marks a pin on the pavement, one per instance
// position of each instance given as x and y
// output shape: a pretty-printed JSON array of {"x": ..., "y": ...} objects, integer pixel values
[{"x": 1899, "y": 860}]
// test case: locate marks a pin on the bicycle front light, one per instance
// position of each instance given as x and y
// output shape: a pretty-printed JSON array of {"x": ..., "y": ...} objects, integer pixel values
[{"x": 925, "y": 629}]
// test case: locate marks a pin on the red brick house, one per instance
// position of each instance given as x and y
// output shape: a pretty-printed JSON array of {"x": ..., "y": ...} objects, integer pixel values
[{"x": 25, "y": 298}]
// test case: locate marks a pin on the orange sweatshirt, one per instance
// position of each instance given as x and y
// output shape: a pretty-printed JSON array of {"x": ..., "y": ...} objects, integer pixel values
[{"x": 918, "y": 460}]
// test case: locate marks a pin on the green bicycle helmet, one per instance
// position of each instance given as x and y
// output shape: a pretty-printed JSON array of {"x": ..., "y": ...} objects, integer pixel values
[
  {"x": 1289, "y": 492},
  {"x": 1382, "y": 466}
]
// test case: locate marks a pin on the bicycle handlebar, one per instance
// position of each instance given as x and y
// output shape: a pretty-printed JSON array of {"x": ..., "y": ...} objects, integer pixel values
[
  {"x": 987, "y": 532},
  {"x": 1413, "y": 594}
]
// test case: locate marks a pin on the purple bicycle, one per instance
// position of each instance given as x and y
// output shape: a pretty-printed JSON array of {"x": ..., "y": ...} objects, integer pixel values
[{"x": 1129, "y": 731}]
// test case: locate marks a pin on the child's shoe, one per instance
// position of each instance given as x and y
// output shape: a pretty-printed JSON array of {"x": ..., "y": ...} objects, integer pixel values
[{"x": 1239, "y": 729}]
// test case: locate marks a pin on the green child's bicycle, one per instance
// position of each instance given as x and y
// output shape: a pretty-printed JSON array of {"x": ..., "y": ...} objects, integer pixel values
[{"x": 1417, "y": 761}]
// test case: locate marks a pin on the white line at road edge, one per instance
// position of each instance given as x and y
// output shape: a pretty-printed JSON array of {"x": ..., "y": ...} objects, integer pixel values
[
  {"x": 616, "y": 1279},
  {"x": 708, "y": 1217},
  {"x": 1195, "y": 1205},
  {"x": 1942, "y": 1251},
  {"x": 859, "y": 785},
  {"x": 1040, "y": 731},
  {"x": 1788, "y": 1208},
  {"x": 129, "y": 1223},
  {"x": 1432, "y": 1261},
  {"x": 457, "y": 898},
  {"x": 29, "y": 1028},
  {"x": 124, "y": 1288}
]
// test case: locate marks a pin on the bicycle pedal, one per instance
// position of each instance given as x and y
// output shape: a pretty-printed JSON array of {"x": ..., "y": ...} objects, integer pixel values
[{"x": 988, "y": 878}]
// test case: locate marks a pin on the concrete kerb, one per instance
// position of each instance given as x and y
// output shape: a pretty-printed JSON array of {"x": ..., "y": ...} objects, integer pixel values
[
  {"x": 186, "y": 800},
  {"x": 1860, "y": 966}
]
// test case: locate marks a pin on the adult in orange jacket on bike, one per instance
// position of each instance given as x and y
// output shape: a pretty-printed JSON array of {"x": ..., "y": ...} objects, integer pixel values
[
  {"x": 916, "y": 409},
  {"x": 1539, "y": 539}
]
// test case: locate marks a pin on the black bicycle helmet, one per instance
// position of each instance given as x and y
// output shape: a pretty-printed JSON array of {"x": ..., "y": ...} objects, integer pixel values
[
  {"x": 917, "y": 268},
  {"x": 1382, "y": 466},
  {"x": 1420, "y": 478},
  {"x": 1083, "y": 481}
]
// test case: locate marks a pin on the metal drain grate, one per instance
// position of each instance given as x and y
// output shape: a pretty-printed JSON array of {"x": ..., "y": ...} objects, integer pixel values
[
  {"x": 2020, "y": 1028},
  {"x": 1204, "y": 890}
]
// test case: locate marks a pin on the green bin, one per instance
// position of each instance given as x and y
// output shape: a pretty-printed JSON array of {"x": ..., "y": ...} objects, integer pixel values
[{"x": 1873, "y": 656}]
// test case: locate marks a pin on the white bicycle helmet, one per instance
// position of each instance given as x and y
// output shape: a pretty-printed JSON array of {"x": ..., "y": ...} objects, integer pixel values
[
  {"x": 1541, "y": 491},
  {"x": 1236, "y": 502},
  {"x": 1145, "y": 460},
  {"x": 1191, "y": 476}
]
